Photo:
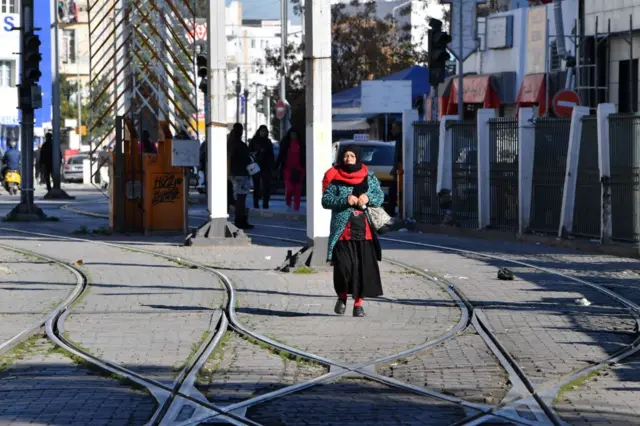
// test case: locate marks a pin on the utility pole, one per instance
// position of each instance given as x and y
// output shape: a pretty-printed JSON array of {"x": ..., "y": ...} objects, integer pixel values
[
  {"x": 79, "y": 98},
  {"x": 217, "y": 229},
  {"x": 56, "y": 192},
  {"x": 238, "y": 90},
  {"x": 29, "y": 99},
  {"x": 284, "y": 28}
]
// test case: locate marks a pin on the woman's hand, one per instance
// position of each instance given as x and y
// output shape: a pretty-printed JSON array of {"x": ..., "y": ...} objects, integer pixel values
[
  {"x": 363, "y": 200},
  {"x": 352, "y": 200}
]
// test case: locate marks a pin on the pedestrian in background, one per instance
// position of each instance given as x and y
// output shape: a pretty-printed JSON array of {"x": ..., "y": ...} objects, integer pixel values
[
  {"x": 239, "y": 158},
  {"x": 262, "y": 150},
  {"x": 46, "y": 159},
  {"x": 354, "y": 249},
  {"x": 396, "y": 133},
  {"x": 292, "y": 161}
]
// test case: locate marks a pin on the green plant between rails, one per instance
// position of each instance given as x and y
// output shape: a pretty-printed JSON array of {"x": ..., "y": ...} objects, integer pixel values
[
  {"x": 17, "y": 353},
  {"x": 575, "y": 384},
  {"x": 205, "y": 375},
  {"x": 194, "y": 348},
  {"x": 303, "y": 270},
  {"x": 285, "y": 355}
]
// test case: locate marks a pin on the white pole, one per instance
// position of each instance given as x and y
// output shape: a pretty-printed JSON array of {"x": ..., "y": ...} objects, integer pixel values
[
  {"x": 78, "y": 97},
  {"x": 216, "y": 123},
  {"x": 283, "y": 57},
  {"x": 318, "y": 132}
]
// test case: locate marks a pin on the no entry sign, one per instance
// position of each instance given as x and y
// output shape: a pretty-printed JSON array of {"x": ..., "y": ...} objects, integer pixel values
[{"x": 564, "y": 101}]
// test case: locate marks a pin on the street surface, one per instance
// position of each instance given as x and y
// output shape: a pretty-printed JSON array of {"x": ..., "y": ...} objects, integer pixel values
[{"x": 422, "y": 356}]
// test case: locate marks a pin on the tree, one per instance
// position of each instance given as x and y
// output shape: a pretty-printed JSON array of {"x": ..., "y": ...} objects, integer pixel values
[
  {"x": 69, "y": 103},
  {"x": 364, "y": 47}
]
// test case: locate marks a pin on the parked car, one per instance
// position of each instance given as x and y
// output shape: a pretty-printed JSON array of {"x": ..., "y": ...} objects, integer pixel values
[
  {"x": 376, "y": 155},
  {"x": 73, "y": 168}
]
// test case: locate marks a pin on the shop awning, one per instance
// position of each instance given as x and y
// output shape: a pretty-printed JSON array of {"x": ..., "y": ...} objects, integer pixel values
[
  {"x": 477, "y": 89},
  {"x": 533, "y": 90},
  {"x": 350, "y": 125}
]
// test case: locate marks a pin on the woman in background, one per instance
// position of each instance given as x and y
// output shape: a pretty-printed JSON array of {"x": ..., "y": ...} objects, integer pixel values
[{"x": 292, "y": 160}]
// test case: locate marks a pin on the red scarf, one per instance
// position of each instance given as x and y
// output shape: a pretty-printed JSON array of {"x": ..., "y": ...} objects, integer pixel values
[{"x": 342, "y": 176}]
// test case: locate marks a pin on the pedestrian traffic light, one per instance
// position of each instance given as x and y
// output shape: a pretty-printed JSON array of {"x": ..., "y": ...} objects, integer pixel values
[
  {"x": 438, "y": 54},
  {"x": 31, "y": 58}
]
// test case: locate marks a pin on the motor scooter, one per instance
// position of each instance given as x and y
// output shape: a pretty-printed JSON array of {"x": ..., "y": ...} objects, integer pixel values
[{"x": 12, "y": 181}]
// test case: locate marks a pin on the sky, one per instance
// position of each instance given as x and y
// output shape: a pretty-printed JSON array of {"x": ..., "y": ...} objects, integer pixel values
[{"x": 265, "y": 9}]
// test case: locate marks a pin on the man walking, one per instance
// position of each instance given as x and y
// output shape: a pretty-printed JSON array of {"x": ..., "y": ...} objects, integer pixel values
[{"x": 46, "y": 159}]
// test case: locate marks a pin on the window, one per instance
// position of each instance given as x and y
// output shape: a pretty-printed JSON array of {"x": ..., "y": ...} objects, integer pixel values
[
  {"x": 9, "y": 6},
  {"x": 253, "y": 44},
  {"x": 69, "y": 43},
  {"x": 6, "y": 73}
]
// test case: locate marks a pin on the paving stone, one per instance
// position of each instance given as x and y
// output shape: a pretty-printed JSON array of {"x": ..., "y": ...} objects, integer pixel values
[
  {"x": 241, "y": 370},
  {"x": 463, "y": 367},
  {"x": 46, "y": 387},
  {"x": 352, "y": 402}
]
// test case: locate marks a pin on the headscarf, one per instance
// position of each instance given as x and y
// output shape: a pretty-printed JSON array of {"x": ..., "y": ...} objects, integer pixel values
[{"x": 354, "y": 175}]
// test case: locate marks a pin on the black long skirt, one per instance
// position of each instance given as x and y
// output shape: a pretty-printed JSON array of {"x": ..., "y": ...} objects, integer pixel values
[{"x": 356, "y": 270}]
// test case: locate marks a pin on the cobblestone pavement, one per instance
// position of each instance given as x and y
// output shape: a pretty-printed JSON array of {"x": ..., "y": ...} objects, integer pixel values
[
  {"x": 140, "y": 311},
  {"x": 353, "y": 402},
  {"x": 240, "y": 370},
  {"x": 42, "y": 386},
  {"x": 29, "y": 288},
  {"x": 535, "y": 317}
]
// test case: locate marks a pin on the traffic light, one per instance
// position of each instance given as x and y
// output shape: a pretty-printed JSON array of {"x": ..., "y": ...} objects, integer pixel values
[
  {"x": 201, "y": 62},
  {"x": 438, "y": 55},
  {"x": 31, "y": 59}
]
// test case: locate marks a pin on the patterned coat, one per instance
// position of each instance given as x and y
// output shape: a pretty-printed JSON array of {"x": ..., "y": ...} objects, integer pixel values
[{"x": 335, "y": 197}]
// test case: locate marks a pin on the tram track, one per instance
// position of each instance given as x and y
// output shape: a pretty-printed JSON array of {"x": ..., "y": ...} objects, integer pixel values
[{"x": 506, "y": 410}]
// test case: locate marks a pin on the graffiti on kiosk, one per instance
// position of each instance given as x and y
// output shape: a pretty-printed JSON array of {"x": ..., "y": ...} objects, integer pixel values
[{"x": 166, "y": 188}]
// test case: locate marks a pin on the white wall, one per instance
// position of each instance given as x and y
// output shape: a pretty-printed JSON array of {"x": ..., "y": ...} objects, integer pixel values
[
  {"x": 514, "y": 59},
  {"x": 9, "y": 46},
  {"x": 617, "y": 11}
]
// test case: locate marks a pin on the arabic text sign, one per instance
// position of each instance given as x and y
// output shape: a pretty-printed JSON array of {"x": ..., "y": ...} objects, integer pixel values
[{"x": 385, "y": 97}]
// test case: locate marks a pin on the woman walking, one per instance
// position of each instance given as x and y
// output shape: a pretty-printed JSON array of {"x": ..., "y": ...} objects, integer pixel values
[
  {"x": 292, "y": 159},
  {"x": 354, "y": 249},
  {"x": 262, "y": 148}
]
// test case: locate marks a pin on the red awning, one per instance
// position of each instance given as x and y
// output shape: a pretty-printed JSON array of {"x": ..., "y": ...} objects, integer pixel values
[
  {"x": 476, "y": 89},
  {"x": 533, "y": 91}
]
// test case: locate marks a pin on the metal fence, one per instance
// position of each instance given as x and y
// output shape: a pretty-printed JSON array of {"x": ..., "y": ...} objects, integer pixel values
[
  {"x": 426, "y": 140},
  {"x": 503, "y": 172},
  {"x": 624, "y": 149},
  {"x": 586, "y": 212},
  {"x": 549, "y": 169},
  {"x": 464, "y": 193}
]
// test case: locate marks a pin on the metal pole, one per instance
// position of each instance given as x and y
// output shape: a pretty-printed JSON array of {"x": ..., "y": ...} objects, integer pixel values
[
  {"x": 283, "y": 58},
  {"x": 238, "y": 88},
  {"x": 460, "y": 64},
  {"x": 79, "y": 98},
  {"x": 547, "y": 69},
  {"x": 631, "y": 106},
  {"x": 246, "y": 114},
  {"x": 55, "y": 101},
  {"x": 268, "y": 107},
  {"x": 596, "y": 77}
]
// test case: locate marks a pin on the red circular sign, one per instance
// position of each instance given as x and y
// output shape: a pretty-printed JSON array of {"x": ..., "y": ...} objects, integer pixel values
[
  {"x": 564, "y": 101},
  {"x": 281, "y": 109}
]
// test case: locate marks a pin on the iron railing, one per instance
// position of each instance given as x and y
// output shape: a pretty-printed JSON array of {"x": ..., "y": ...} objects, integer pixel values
[
  {"x": 624, "y": 149},
  {"x": 426, "y": 139},
  {"x": 464, "y": 137},
  {"x": 586, "y": 211},
  {"x": 503, "y": 173},
  {"x": 549, "y": 169}
]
